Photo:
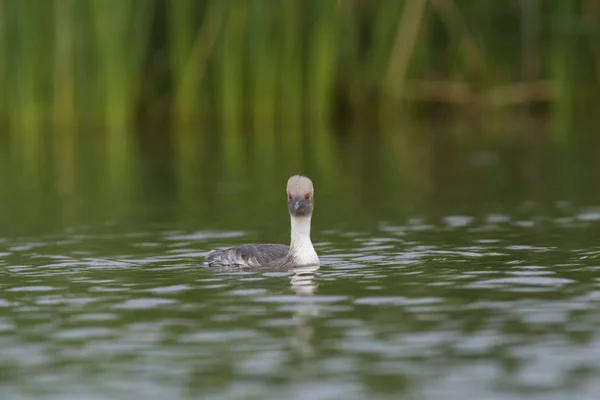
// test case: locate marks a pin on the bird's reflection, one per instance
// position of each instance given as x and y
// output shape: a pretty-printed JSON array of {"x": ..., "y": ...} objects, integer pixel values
[
  {"x": 303, "y": 284},
  {"x": 303, "y": 280}
]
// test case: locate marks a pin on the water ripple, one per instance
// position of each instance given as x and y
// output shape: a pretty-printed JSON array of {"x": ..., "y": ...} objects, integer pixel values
[{"x": 458, "y": 306}]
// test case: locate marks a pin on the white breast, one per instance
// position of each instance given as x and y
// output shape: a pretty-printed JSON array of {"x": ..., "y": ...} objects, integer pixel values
[
  {"x": 304, "y": 253},
  {"x": 301, "y": 247}
]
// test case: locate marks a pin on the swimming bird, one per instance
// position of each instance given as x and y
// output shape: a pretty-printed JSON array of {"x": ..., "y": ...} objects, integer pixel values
[{"x": 300, "y": 252}]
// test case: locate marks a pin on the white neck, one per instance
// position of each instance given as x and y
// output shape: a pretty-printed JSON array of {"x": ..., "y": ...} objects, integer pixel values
[{"x": 301, "y": 248}]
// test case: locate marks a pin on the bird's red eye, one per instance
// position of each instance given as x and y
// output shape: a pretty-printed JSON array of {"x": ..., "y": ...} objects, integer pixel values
[
  {"x": 289, "y": 196},
  {"x": 307, "y": 196}
]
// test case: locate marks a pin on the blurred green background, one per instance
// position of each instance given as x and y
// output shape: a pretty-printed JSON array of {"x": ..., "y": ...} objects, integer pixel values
[
  {"x": 454, "y": 149},
  {"x": 260, "y": 63},
  {"x": 103, "y": 99}
]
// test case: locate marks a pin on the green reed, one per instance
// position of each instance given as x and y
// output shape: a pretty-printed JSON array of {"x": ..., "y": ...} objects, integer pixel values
[{"x": 253, "y": 68}]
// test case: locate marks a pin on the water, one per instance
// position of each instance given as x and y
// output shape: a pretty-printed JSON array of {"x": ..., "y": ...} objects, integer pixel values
[{"x": 482, "y": 282}]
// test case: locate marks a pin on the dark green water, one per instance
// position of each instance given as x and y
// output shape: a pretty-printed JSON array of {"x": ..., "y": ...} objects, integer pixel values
[{"x": 455, "y": 269}]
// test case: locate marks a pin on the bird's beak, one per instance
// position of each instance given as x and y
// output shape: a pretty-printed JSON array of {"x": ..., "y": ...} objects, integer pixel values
[{"x": 296, "y": 204}]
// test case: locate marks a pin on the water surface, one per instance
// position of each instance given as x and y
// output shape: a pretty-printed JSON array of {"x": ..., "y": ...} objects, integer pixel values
[{"x": 479, "y": 278}]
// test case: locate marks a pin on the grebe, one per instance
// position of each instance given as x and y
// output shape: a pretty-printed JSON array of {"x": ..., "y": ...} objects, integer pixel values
[{"x": 300, "y": 252}]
